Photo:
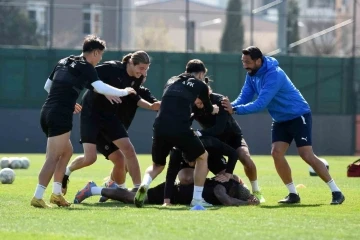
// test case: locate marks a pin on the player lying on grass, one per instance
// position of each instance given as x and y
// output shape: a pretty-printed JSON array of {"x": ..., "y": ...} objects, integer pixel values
[
  {"x": 224, "y": 127},
  {"x": 180, "y": 165},
  {"x": 231, "y": 193}
]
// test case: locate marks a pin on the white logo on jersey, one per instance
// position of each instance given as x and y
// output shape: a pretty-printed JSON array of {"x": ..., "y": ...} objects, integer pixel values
[
  {"x": 73, "y": 64},
  {"x": 190, "y": 84}
]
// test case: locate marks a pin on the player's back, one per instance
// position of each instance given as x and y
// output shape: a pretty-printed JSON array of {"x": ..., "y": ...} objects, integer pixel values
[
  {"x": 175, "y": 110},
  {"x": 69, "y": 77}
]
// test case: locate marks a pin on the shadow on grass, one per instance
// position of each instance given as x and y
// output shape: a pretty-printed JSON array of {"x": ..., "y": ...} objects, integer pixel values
[
  {"x": 111, "y": 204},
  {"x": 107, "y": 204},
  {"x": 177, "y": 207},
  {"x": 291, "y": 206}
]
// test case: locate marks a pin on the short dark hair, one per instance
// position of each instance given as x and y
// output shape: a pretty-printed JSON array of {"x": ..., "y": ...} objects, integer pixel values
[
  {"x": 195, "y": 66},
  {"x": 253, "y": 52},
  {"x": 92, "y": 42}
]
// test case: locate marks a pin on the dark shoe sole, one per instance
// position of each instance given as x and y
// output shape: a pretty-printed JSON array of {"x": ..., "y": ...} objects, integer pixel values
[{"x": 338, "y": 203}]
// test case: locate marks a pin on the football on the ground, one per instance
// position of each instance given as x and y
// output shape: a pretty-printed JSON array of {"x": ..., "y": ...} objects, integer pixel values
[
  {"x": 312, "y": 171},
  {"x": 7, "y": 176},
  {"x": 25, "y": 162},
  {"x": 15, "y": 163},
  {"x": 5, "y": 162}
]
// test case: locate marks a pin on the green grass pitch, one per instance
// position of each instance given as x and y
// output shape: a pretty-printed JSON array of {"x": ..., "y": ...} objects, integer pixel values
[{"x": 314, "y": 218}]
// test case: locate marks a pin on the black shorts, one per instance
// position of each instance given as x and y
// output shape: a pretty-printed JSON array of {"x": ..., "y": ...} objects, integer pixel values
[
  {"x": 298, "y": 129},
  {"x": 216, "y": 162},
  {"x": 187, "y": 142},
  {"x": 104, "y": 146},
  {"x": 235, "y": 140},
  {"x": 155, "y": 195},
  {"x": 55, "y": 122},
  {"x": 91, "y": 125}
]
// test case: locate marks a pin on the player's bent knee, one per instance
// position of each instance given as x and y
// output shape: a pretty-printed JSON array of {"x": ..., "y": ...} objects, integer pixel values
[
  {"x": 125, "y": 146},
  {"x": 307, "y": 156},
  {"x": 203, "y": 157},
  {"x": 89, "y": 160},
  {"x": 276, "y": 153},
  {"x": 156, "y": 165},
  {"x": 117, "y": 159},
  {"x": 243, "y": 151}
]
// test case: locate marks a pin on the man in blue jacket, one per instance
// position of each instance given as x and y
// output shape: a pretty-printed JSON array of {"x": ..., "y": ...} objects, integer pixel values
[{"x": 291, "y": 116}]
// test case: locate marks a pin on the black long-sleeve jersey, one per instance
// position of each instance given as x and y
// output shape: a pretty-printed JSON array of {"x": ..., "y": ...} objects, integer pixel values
[
  {"x": 179, "y": 95},
  {"x": 127, "y": 109},
  {"x": 219, "y": 125},
  {"x": 69, "y": 77},
  {"x": 113, "y": 73}
]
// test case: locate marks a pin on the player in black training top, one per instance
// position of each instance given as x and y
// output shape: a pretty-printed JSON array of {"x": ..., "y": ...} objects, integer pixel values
[
  {"x": 69, "y": 77},
  {"x": 231, "y": 193},
  {"x": 99, "y": 116},
  {"x": 126, "y": 113},
  {"x": 183, "y": 168},
  {"x": 172, "y": 128},
  {"x": 225, "y": 127}
]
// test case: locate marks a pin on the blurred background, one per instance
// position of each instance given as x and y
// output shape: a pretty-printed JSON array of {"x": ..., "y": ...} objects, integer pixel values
[{"x": 315, "y": 41}]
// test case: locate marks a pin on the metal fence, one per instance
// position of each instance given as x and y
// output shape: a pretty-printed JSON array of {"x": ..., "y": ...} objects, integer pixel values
[
  {"x": 297, "y": 27},
  {"x": 326, "y": 83}
]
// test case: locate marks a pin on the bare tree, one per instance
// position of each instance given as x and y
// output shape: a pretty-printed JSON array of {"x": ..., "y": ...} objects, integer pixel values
[
  {"x": 154, "y": 36},
  {"x": 335, "y": 43},
  {"x": 67, "y": 39}
]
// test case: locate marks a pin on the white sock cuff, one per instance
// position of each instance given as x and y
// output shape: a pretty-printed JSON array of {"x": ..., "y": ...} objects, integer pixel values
[
  {"x": 96, "y": 190},
  {"x": 67, "y": 171},
  {"x": 57, "y": 188},
  {"x": 147, "y": 179}
]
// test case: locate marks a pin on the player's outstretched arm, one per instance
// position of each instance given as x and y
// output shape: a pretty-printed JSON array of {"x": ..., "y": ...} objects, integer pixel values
[
  {"x": 106, "y": 89},
  {"x": 150, "y": 106}
]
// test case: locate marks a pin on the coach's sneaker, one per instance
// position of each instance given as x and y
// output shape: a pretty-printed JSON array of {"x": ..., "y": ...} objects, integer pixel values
[
  {"x": 337, "y": 198},
  {"x": 291, "y": 199},
  {"x": 200, "y": 202},
  {"x": 140, "y": 196},
  {"x": 39, "y": 203},
  {"x": 84, "y": 193},
  {"x": 259, "y": 196},
  {"x": 110, "y": 184},
  {"x": 64, "y": 184},
  {"x": 59, "y": 200}
]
